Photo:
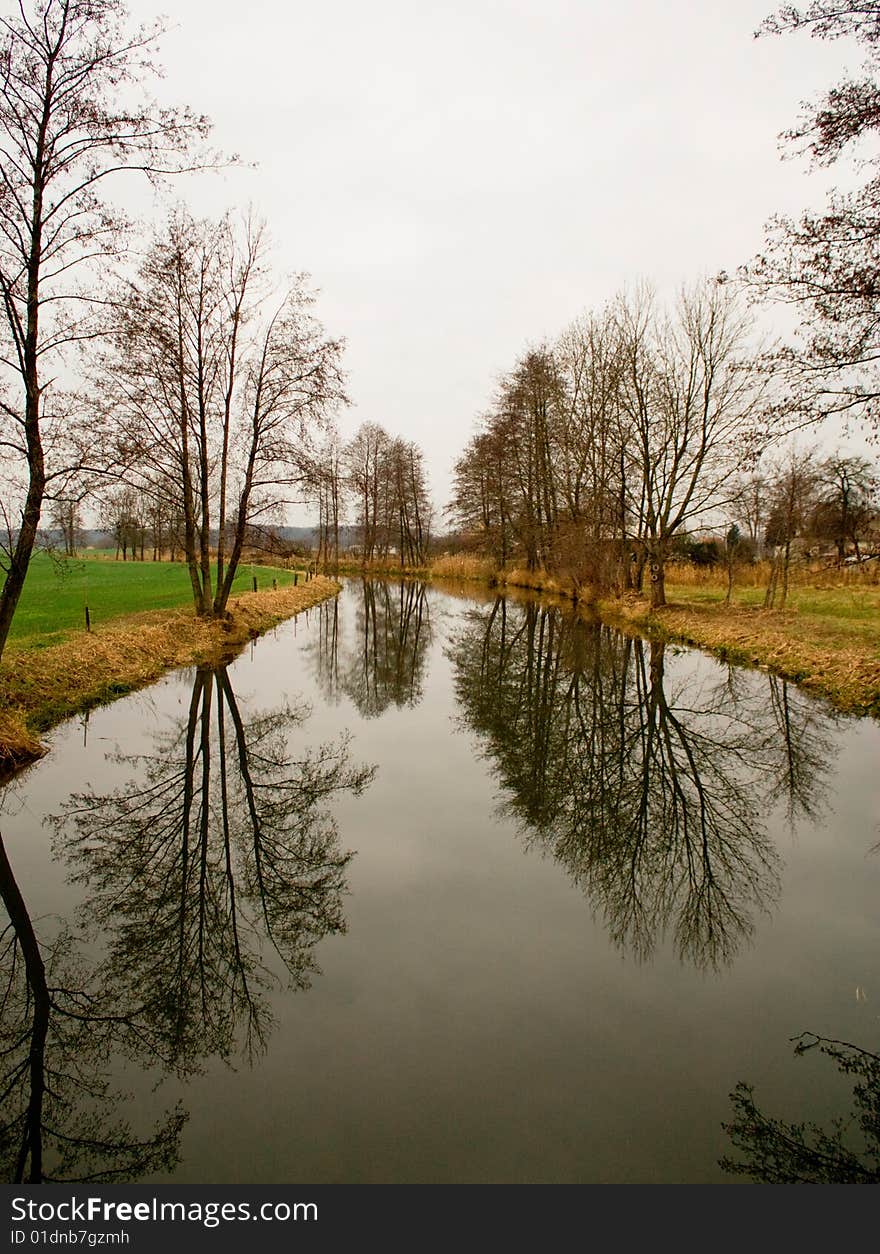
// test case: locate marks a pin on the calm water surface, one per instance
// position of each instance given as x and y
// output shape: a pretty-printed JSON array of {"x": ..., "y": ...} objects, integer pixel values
[{"x": 429, "y": 888}]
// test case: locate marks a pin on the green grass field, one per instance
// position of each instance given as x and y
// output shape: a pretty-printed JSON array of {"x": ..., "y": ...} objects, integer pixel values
[
  {"x": 847, "y": 613},
  {"x": 56, "y": 593}
]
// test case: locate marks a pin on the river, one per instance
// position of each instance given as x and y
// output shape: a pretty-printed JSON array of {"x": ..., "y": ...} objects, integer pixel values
[{"x": 444, "y": 888}]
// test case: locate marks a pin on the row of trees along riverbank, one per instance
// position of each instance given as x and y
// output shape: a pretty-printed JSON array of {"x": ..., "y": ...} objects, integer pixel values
[
  {"x": 604, "y": 451},
  {"x": 195, "y": 377},
  {"x": 640, "y": 423},
  {"x": 376, "y": 479}
]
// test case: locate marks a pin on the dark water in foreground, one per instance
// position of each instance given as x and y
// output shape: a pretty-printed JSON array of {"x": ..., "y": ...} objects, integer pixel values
[{"x": 519, "y": 900}]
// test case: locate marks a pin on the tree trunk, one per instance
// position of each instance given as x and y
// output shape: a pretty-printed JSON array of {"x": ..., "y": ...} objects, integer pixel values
[
  {"x": 786, "y": 562},
  {"x": 24, "y": 544},
  {"x": 32, "y": 1143},
  {"x": 658, "y": 587},
  {"x": 658, "y": 578}
]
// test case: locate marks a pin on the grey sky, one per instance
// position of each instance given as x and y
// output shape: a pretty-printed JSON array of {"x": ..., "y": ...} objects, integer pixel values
[{"x": 463, "y": 178}]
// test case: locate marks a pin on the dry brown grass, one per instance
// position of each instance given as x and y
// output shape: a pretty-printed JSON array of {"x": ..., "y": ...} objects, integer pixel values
[
  {"x": 462, "y": 566},
  {"x": 752, "y": 576},
  {"x": 40, "y": 687},
  {"x": 451, "y": 566},
  {"x": 17, "y": 744},
  {"x": 757, "y": 575},
  {"x": 558, "y": 584}
]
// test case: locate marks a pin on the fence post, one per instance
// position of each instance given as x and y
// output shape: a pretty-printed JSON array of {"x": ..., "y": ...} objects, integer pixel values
[
  {"x": 88, "y": 620},
  {"x": 255, "y": 583}
]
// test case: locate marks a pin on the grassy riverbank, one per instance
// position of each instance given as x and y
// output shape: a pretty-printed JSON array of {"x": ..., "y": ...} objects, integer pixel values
[
  {"x": 822, "y": 641},
  {"x": 827, "y": 639},
  {"x": 40, "y": 686}
]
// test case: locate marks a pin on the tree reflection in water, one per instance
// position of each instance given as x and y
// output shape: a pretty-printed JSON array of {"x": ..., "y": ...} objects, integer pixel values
[
  {"x": 775, "y": 1152},
  {"x": 385, "y": 665},
  {"x": 219, "y": 851},
  {"x": 59, "y": 1027},
  {"x": 220, "y": 845},
  {"x": 652, "y": 797}
]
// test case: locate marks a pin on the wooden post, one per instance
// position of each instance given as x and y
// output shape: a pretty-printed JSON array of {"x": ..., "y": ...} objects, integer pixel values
[
  {"x": 295, "y": 577},
  {"x": 274, "y": 585},
  {"x": 88, "y": 620},
  {"x": 255, "y": 583}
]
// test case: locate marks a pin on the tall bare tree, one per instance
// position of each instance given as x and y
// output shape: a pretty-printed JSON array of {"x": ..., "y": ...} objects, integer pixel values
[
  {"x": 792, "y": 500},
  {"x": 589, "y": 449},
  {"x": 602, "y": 448},
  {"x": 388, "y": 482},
  {"x": 70, "y": 120},
  {"x": 326, "y": 479},
  {"x": 481, "y": 502},
  {"x": 364, "y": 457},
  {"x": 848, "y": 490},
  {"x": 66, "y": 516},
  {"x": 693, "y": 405},
  {"x": 219, "y": 388}
]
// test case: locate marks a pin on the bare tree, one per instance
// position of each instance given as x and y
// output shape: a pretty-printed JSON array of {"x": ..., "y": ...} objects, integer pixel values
[
  {"x": 122, "y": 514},
  {"x": 326, "y": 485},
  {"x": 751, "y": 506},
  {"x": 589, "y": 450},
  {"x": 389, "y": 485},
  {"x": 825, "y": 264},
  {"x": 407, "y": 504},
  {"x": 68, "y": 123},
  {"x": 846, "y": 501},
  {"x": 792, "y": 496},
  {"x": 66, "y": 516},
  {"x": 600, "y": 450},
  {"x": 481, "y": 502},
  {"x": 507, "y": 483},
  {"x": 364, "y": 456},
  {"x": 732, "y": 546},
  {"x": 693, "y": 405},
  {"x": 217, "y": 394}
]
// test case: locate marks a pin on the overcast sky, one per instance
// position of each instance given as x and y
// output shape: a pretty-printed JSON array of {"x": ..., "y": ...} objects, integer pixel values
[{"x": 462, "y": 178}]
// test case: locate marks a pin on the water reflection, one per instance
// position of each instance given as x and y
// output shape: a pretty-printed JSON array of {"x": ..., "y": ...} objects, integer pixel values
[
  {"x": 384, "y": 663},
  {"x": 208, "y": 868},
  {"x": 219, "y": 843},
  {"x": 794, "y": 739},
  {"x": 773, "y": 1151},
  {"x": 650, "y": 794},
  {"x": 218, "y": 852},
  {"x": 59, "y": 1027}
]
